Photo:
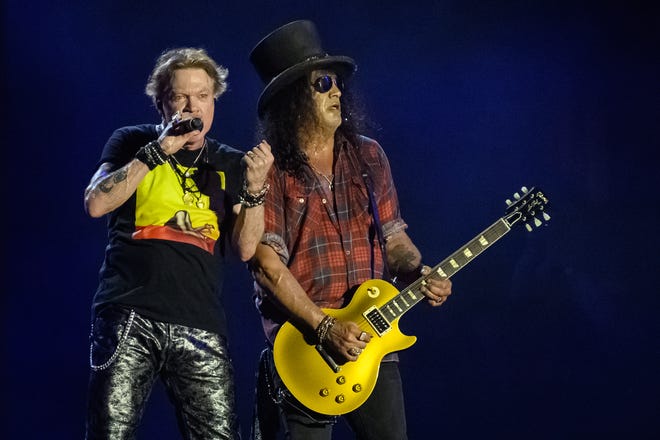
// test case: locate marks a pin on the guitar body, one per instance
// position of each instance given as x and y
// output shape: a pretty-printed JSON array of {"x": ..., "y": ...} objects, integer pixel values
[{"x": 312, "y": 380}]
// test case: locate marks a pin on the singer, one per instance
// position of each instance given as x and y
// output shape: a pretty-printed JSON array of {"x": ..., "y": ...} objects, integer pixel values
[{"x": 175, "y": 201}]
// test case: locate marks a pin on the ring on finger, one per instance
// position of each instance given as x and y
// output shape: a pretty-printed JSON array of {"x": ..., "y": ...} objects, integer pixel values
[{"x": 362, "y": 336}]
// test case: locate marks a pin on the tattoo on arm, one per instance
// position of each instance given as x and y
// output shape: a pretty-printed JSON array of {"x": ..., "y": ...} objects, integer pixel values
[
  {"x": 402, "y": 260},
  {"x": 110, "y": 181}
]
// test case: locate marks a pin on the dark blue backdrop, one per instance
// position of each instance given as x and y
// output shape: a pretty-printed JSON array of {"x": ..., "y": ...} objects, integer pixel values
[{"x": 548, "y": 335}]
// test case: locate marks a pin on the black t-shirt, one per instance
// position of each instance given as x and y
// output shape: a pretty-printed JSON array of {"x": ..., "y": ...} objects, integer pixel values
[{"x": 168, "y": 245}]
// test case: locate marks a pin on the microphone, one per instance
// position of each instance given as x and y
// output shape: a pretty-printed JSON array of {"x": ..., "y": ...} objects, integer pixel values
[{"x": 185, "y": 126}]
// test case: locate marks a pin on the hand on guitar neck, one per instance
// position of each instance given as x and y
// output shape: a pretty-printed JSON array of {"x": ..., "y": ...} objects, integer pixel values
[
  {"x": 404, "y": 262},
  {"x": 435, "y": 289}
]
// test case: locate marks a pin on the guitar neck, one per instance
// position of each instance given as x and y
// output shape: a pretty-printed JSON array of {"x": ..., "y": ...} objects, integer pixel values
[{"x": 412, "y": 294}]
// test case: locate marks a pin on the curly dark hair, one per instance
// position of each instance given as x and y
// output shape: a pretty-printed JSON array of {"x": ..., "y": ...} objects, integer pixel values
[{"x": 293, "y": 108}]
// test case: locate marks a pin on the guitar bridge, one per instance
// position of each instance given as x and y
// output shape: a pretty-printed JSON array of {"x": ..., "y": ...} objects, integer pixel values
[
  {"x": 328, "y": 359},
  {"x": 377, "y": 320}
]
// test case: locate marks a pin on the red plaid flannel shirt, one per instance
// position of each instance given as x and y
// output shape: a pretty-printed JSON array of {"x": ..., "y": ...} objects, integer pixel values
[{"x": 329, "y": 251}]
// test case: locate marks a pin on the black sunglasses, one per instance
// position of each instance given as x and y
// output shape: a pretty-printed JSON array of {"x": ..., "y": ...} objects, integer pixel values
[{"x": 323, "y": 84}]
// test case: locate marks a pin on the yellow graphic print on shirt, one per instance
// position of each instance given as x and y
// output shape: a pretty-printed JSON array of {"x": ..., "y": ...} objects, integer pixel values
[{"x": 162, "y": 213}]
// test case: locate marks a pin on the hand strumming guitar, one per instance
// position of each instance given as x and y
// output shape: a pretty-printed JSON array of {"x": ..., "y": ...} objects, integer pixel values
[{"x": 346, "y": 339}]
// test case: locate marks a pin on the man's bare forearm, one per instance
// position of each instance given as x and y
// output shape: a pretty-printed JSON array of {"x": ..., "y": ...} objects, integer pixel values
[{"x": 108, "y": 190}]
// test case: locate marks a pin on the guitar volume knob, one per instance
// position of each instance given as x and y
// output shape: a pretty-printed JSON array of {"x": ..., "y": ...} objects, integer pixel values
[
  {"x": 324, "y": 392},
  {"x": 373, "y": 292},
  {"x": 340, "y": 398},
  {"x": 357, "y": 388},
  {"x": 341, "y": 380}
]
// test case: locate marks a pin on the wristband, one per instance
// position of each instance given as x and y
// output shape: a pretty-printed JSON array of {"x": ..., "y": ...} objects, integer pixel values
[
  {"x": 250, "y": 200},
  {"x": 324, "y": 327},
  {"x": 151, "y": 155}
]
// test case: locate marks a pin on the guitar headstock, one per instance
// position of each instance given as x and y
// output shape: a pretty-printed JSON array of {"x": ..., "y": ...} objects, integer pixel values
[{"x": 528, "y": 205}]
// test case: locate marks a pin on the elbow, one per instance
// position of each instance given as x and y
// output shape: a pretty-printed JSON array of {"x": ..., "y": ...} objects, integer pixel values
[
  {"x": 267, "y": 269},
  {"x": 93, "y": 209},
  {"x": 95, "y": 213},
  {"x": 267, "y": 277},
  {"x": 245, "y": 244},
  {"x": 246, "y": 254},
  {"x": 244, "y": 249}
]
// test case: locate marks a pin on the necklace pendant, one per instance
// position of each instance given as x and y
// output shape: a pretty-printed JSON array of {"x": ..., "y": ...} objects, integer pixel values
[{"x": 188, "y": 199}]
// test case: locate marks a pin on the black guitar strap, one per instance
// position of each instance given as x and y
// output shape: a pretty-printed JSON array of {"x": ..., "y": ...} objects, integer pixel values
[{"x": 373, "y": 207}]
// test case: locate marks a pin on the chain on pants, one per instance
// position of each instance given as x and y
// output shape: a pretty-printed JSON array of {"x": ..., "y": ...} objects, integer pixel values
[{"x": 129, "y": 353}]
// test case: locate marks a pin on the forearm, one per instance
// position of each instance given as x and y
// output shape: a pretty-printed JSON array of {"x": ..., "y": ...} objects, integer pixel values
[
  {"x": 109, "y": 190},
  {"x": 247, "y": 231},
  {"x": 284, "y": 289},
  {"x": 249, "y": 221},
  {"x": 403, "y": 257},
  {"x": 405, "y": 263}
]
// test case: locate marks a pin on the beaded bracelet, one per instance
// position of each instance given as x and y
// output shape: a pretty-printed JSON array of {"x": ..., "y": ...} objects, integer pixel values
[
  {"x": 250, "y": 200},
  {"x": 151, "y": 155},
  {"x": 324, "y": 327}
]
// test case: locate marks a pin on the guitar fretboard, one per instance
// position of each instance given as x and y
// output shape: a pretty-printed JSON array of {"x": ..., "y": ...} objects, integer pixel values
[{"x": 412, "y": 294}]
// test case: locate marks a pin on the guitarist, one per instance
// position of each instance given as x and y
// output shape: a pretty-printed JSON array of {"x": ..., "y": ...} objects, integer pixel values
[{"x": 323, "y": 237}]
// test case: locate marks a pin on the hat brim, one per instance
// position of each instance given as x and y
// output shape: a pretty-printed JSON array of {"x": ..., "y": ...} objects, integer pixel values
[{"x": 345, "y": 65}]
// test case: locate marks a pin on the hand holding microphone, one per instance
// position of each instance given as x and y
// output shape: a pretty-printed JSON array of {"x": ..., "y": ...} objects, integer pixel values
[
  {"x": 180, "y": 126},
  {"x": 185, "y": 126},
  {"x": 176, "y": 134}
]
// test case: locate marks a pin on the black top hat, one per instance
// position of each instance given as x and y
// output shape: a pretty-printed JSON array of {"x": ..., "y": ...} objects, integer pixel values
[{"x": 288, "y": 53}]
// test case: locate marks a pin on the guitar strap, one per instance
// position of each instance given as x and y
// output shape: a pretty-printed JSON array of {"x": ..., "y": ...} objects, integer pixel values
[{"x": 373, "y": 207}]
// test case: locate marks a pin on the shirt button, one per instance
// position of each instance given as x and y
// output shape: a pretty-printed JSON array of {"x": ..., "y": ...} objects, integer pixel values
[
  {"x": 348, "y": 252},
  {"x": 324, "y": 201},
  {"x": 301, "y": 200}
]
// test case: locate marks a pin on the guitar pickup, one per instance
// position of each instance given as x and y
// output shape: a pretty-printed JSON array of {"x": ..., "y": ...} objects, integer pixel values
[{"x": 377, "y": 320}]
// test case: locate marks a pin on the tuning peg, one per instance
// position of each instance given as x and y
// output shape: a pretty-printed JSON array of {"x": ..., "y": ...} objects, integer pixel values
[
  {"x": 508, "y": 202},
  {"x": 516, "y": 196},
  {"x": 524, "y": 190},
  {"x": 528, "y": 227},
  {"x": 546, "y": 216}
]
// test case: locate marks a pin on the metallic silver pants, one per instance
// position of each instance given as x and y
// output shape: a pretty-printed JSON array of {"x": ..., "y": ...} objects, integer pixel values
[{"x": 129, "y": 353}]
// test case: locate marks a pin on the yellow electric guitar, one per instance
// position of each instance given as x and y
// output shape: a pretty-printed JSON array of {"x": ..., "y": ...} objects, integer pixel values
[{"x": 326, "y": 386}]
